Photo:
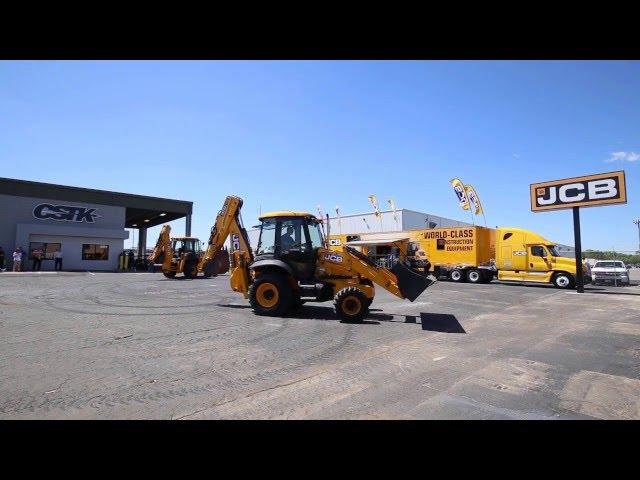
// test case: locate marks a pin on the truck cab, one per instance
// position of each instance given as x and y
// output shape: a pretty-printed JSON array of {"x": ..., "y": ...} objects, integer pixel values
[{"x": 525, "y": 256}]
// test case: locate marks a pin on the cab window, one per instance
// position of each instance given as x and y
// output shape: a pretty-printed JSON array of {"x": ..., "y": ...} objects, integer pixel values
[
  {"x": 538, "y": 251},
  {"x": 291, "y": 234},
  {"x": 267, "y": 241},
  {"x": 315, "y": 235}
]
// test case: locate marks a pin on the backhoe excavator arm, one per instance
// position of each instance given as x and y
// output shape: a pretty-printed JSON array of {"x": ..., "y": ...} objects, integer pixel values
[
  {"x": 163, "y": 247},
  {"x": 229, "y": 222}
]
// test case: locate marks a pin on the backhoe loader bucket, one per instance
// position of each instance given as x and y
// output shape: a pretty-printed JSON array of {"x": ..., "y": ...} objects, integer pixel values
[
  {"x": 410, "y": 283},
  {"x": 219, "y": 265}
]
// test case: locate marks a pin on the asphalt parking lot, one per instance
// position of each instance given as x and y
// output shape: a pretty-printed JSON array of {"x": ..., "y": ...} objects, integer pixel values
[{"x": 138, "y": 346}]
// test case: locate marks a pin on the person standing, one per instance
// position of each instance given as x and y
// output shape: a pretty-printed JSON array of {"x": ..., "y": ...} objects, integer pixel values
[
  {"x": 131, "y": 260},
  {"x": 37, "y": 259},
  {"x": 23, "y": 259},
  {"x": 57, "y": 256},
  {"x": 17, "y": 260}
]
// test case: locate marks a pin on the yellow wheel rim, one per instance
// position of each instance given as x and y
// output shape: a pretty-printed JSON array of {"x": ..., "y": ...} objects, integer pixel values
[
  {"x": 351, "y": 305},
  {"x": 267, "y": 295}
]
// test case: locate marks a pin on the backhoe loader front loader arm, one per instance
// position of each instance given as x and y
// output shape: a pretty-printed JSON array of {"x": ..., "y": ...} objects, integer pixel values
[
  {"x": 229, "y": 222},
  {"x": 400, "y": 280}
]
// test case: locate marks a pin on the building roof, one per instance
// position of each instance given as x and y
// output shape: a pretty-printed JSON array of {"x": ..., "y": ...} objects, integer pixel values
[
  {"x": 379, "y": 238},
  {"x": 138, "y": 207},
  {"x": 286, "y": 213}
]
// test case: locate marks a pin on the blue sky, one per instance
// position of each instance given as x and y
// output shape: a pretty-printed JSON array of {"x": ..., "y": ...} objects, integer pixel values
[{"x": 288, "y": 134}]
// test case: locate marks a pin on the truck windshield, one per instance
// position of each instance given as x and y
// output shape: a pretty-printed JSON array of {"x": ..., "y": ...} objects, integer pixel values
[
  {"x": 553, "y": 251},
  {"x": 609, "y": 265}
]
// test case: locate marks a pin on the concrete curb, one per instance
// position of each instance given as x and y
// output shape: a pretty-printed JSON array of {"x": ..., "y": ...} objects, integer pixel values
[{"x": 38, "y": 274}]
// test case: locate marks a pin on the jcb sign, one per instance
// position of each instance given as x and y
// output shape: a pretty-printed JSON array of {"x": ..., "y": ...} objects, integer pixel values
[{"x": 600, "y": 189}]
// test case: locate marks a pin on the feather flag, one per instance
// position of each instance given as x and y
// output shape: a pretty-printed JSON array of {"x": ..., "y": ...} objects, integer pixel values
[
  {"x": 393, "y": 207},
  {"x": 474, "y": 200},
  {"x": 458, "y": 187},
  {"x": 374, "y": 202},
  {"x": 338, "y": 216}
]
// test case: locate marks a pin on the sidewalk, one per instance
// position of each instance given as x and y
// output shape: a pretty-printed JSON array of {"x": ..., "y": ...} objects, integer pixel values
[{"x": 9, "y": 273}]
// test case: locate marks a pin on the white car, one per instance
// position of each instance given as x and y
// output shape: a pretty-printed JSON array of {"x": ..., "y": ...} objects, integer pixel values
[{"x": 610, "y": 271}]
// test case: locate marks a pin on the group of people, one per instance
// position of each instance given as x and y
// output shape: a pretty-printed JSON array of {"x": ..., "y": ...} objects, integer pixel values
[{"x": 37, "y": 255}]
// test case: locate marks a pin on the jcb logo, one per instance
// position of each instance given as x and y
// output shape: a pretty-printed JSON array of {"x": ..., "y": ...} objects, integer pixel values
[
  {"x": 332, "y": 257},
  {"x": 334, "y": 242},
  {"x": 605, "y": 188}
]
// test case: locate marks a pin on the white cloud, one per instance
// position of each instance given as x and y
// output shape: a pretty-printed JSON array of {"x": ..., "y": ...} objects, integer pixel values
[{"x": 623, "y": 157}]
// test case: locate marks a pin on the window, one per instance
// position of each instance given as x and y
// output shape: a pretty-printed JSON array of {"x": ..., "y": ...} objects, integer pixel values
[
  {"x": 609, "y": 265},
  {"x": 315, "y": 235},
  {"x": 95, "y": 252},
  {"x": 186, "y": 245},
  {"x": 267, "y": 241},
  {"x": 507, "y": 235},
  {"x": 291, "y": 234},
  {"x": 48, "y": 249},
  {"x": 554, "y": 251},
  {"x": 538, "y": 251}
]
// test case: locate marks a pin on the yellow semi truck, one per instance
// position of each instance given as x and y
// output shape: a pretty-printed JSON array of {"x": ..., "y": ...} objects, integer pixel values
[{"x": 475, "y": 254}]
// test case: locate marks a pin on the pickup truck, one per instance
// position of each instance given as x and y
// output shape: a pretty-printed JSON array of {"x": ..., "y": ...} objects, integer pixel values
[{"x": 610, "y": 271}]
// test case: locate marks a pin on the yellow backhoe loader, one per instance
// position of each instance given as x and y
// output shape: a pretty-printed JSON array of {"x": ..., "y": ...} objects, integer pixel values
[
  {"x": 184, "y": 255},
  {"x": 293, "y": 264}
]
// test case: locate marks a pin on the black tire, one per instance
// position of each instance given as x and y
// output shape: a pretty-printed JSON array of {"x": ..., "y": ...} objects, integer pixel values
[
  {"x": 474, "y": 276},
  {"x": 457, "y": 275},
  {"x": 169, "y": 274},
  {"x": 190, "y": 266},
  {"x": 270, "y": 295},
  {"x": 211, "y": 267},
  {"x": 351, "y": 304},
  {"x": 563, "y": 280},
  {"x": 297, "y": 303}
]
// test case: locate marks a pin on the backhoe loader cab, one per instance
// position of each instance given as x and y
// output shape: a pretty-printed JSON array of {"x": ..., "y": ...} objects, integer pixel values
[
  {"x": 290, "y": 240},
  {"x": 181, "y": 245}
]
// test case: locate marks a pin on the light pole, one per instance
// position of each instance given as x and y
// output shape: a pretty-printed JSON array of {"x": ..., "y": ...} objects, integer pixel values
[{"x": 637, "y": 222}]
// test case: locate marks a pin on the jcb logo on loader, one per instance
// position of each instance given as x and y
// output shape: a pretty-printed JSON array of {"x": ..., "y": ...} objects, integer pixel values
[
  {"x": 235, "y": 242},
  {"x": 332, "y": 257},
  {"x": 334, "y": 242},
  {"x": 600, "y": 189}
]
